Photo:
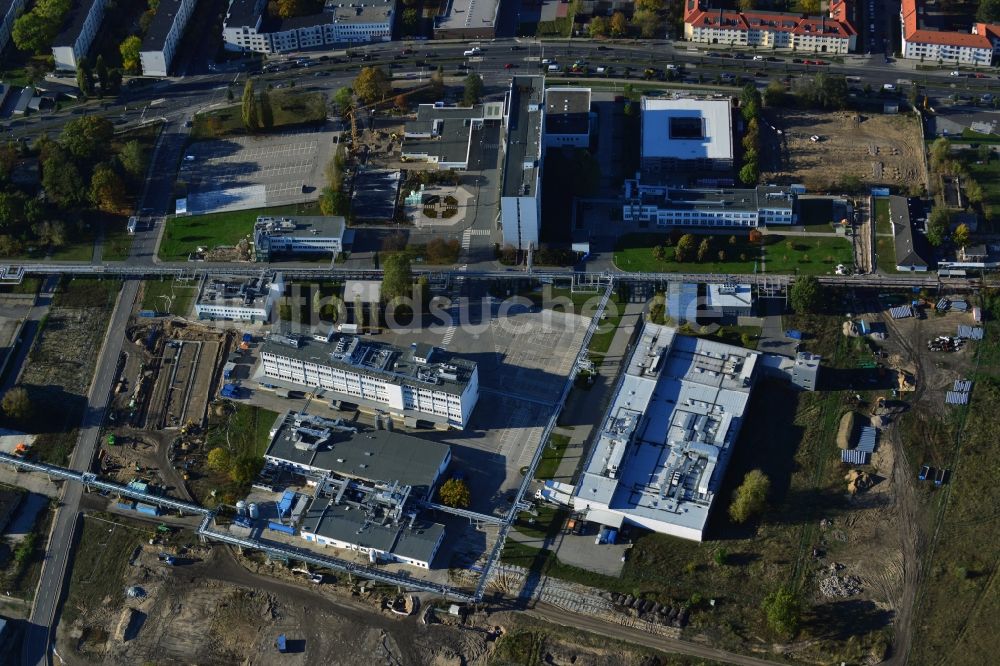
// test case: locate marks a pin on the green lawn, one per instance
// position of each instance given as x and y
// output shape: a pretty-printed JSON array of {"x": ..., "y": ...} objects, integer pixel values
[
  {"x": 291, "y": 108},
  {"x": 184, "y": 235},
  {"x": 805, "y": 255},
  {"x": 883, "y": 226},
  {"x": 244, "y": 432},
  {"x": 546, "y": 524},
  {"x": 634, "y": 252},
  {"x": 117, "y": 241},
  {"x": 168, "y": 296},
  {"x": 85, "y": 292},
  {"x": 553, "y": 455}
]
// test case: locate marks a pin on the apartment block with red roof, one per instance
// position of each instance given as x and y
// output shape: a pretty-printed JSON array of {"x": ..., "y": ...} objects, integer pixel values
[
  {"x": 776, "y": 30},
  {"x": 979, "y": 46}
]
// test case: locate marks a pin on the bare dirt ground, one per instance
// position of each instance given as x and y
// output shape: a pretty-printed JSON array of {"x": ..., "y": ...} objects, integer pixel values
[{"x": 877, "y": 149}]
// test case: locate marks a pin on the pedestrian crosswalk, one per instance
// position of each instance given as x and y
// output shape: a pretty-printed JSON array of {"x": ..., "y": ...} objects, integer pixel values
[{"x": 469, "y": 233}]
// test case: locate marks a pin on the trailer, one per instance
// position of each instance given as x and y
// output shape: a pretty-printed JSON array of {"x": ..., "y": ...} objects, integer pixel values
[
  {"x": 925, "y": 472},
  {"x": 148, "y": 509}
]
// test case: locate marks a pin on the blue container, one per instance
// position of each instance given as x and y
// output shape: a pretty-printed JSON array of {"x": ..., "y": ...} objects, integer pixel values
[
  {"x": 793, "y": 334},
  {"x": 148, "y": 509},
  {"x": 278, "y": 527}
]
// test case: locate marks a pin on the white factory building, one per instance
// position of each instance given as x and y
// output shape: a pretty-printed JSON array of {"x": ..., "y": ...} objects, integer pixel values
[
  {"x": 682, "y": 134},
  {"x": 764, "y": 205},
  {"x": 238, "y": 299},
  {"x": 163, "y": 35},
  {"x": 248, "y": 28},
  {"x": 521, "y": 191},
  {"x": 420, "y": 383},
  {"x": 668, "y": 435},
  {"x": 298, "y": 235},
  {"x": 81, "y": 27}
]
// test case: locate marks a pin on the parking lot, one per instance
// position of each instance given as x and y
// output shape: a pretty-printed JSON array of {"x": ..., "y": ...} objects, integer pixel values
[{"x": 256, "y": 171}]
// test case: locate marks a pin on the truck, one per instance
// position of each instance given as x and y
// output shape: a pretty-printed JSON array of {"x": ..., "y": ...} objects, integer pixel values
[
  {"x": 228, "y": 369},
  {"x": 352, "y": 329},
  {"x": 602, "y": 535}
]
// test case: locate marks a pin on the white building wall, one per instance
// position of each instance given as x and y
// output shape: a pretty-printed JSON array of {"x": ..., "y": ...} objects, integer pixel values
[
  {"x": 154, "y": 63},
  {"x": 7, "y": 21},
  {"x": 67, "y": 57}
]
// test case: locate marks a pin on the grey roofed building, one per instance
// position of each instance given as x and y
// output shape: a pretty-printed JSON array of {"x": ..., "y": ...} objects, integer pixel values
[
  {"x": 467, "y": 19},
  {"x": 524, "y": 134},
  {"x": 244, "y": 12},
  {"x": 311, "y": 443},
  {"x": 445, "y": 134},
  {"x": 75, "y": 20},
  {"x": 348, "y": 525},
  {"x": 910, "y": 248},
  {"x": 567, "y": 111},
  {"x": 160, "y": 26},
  {"x": 376, "y": 359}
]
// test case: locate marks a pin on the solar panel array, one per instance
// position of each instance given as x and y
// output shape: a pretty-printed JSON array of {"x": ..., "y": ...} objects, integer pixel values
[
  {"x": 854, "y": 457},
  {"x": 943, "y": 304},
  {"x": 956, "y": 398},
  {"x": 960, "y": 306},
  {"x": 901, "y": 312},
  {"x": 970, "y": 332},
  {"x": 866, "y": 442},
  {"x": 963, "y": 385}
]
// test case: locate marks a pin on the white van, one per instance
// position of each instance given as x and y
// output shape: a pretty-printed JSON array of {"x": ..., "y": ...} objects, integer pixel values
[
  {"x": 553, "y": 68},
  {"x": 473, "y": 51}
]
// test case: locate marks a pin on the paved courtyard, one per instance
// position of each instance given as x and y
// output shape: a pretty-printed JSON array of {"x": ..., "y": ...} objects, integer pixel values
[{"x": 255, "y": 171}]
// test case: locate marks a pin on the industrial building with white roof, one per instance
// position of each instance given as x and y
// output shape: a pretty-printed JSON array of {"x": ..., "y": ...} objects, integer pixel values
[
  {"x": 685, "y": 133},
  {"x": 668, "y": 435}
]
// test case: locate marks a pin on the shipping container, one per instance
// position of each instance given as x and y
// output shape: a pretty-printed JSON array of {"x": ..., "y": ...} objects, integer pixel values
[
  {"x": 348, "y": 328},
  {"x": 149, "y": 313},
  {"x": 126, "y": 506},
  {"x": 793, "y": 334},
  {"x": 227, "y": 370},
  {"x": 278, "y": 527},
  {"x": 148, "y": 509}
]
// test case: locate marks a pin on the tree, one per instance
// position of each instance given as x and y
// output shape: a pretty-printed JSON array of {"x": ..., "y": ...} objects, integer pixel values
[
  {"x": 658, "y": 252},
  {"x": 750, "y": 497},
  {"x": 88, "y": 138},
  {"x": 289, "y": 8},
  {"x": 36, "y": 30},
  {"x": 649, "y": 23},
  {"x": 649, "y": 5},
  {"x": 989, "y": 11},
  {"x": 12, "y": 214},
  {"x": 107, "y": 189},
  {"x": 16, "y": 403},
  {"x": 806, "y": 295},
  {"x": 218, "y": 460},
  {"x": 372, "y": 85},
  {"x": 84, "y": 77},
  {"x": 437, "y": 82},
  {"x": 245, "y": 470},
  {"x": 455, "y": 492},
  {"x": 397, "y": 277},
  {"x": 783, "y": 612},
  {"x": 8, "y": 159},
  {"x": 722, "y": 255},
  {"x": 400, "y": 102},
  {"x": 619, "y": 26},
  {"x": 937, "y": 225},
  {"x": 755, "y": 236},
  {"x": 101, "y": 69},
  {"x": 704, "y": 248},
  {"x": 265, "y": 113},
  {"x": 774, "y": 94},
  {"x": 248, "y": 107},
  {"x": 134, "y": 160},
  {"x": 939, "y": 152},
  {"x": 961, "y": 235},
  {"x": 747, "y": 5},
  {"x": 332, "y": 202},
  {"x": 473, "y": 89},
  {"x": 973, "y": 191},
  {"x": 130, "y": 49},
  {"x": 598, "y": 27},
  {"x": 685, "y": 248},
  {"x": 344, "y": 99},
  {"x": 750, "y": 173},
  {"x": 809, "y": 6},
  {"x": 62, "y": 180},
  {"x": 410, "y": 20}
]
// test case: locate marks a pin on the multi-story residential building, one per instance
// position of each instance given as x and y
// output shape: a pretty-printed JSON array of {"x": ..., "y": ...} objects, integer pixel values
[
  {"x": 238, "y": 299},
  {"x": 81, "y": 27},
  {"x": 164, "y": 34},
  {"x": 9, "y": 11},
  {"x": 298, "y": 235},
  {"x": 775, "y": 30},
  {"x": 668, "y": 207},
  {"x": 921, "y": 41},
  {"x": 419, "y": 383},
  {"x": 521, "y": 191},
  {"x": 247, "y": 28}
]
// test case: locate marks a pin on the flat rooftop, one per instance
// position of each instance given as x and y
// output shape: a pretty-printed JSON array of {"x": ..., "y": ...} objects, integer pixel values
[
  {"x": 687, "y": 129},
  {"x": 729, "y": 296},
  {"x": 524, "y": 136},
  {"x": 75, "y": 19},
  {"x": 331, "y": 226},
  {"x": 376, "y": 456},
  {"x": 443, "y": 371},
  {"x": 468, "y": 15},
  {"x": 743, "y": 199},
  {"x": 242, "y": 13},
  {"x": 360, "y": 11},
  {"x": 567, "y": 110},
  {"x": 447, "y": 132},
  {"x": 235, "y": 292},
  {"x": 159, "y": 27},
  {"x": 668, "y": 435}
]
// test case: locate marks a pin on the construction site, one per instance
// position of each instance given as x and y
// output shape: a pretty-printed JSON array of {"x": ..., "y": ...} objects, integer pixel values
[{"x": 876, "y": 149}]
